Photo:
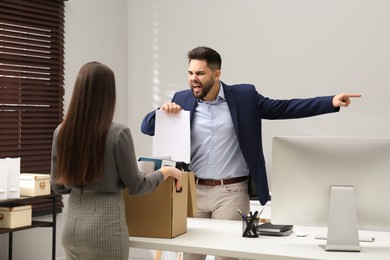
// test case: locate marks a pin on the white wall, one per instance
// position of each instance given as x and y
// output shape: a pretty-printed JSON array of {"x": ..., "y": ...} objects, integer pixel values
[
  {"x": 98, "y": 30},
  {"x": 287, "y": 48}
]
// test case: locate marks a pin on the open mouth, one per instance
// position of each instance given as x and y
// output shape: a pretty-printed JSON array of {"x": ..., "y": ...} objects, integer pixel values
[{"x": 197, "y": 88}]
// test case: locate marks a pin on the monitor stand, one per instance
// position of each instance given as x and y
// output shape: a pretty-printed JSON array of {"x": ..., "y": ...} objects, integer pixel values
[{"x": 343, "y": 232}]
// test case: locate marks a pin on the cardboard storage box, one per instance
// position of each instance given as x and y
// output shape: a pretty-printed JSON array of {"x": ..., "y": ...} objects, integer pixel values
[
  {"x": 15, "y": 217},
  {"x": 163, "y": 212},
  {"x": 34, "y": 184}
]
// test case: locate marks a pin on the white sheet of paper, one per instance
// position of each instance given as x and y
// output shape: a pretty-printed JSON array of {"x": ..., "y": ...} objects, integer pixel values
[{"x": 172, "y": 136}]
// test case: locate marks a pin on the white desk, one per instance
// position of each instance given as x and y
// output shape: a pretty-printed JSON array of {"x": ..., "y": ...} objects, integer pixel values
[{"x": 223, "y": 237}]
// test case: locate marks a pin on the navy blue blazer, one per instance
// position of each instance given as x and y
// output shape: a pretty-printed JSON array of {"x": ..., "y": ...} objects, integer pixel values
[{"x": 247, "y": 107}]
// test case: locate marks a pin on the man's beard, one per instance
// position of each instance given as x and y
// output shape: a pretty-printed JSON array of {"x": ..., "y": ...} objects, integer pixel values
[{"x": 205, "y": 90}]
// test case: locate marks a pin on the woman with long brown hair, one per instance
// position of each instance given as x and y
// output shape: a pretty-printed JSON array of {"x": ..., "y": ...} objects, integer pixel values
[{"x": 93, "y": 160}]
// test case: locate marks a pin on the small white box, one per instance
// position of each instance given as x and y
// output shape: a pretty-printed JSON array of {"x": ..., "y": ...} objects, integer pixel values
[
  {"x": 34, "y": 184},
  {"x": 15, "y": 217}
]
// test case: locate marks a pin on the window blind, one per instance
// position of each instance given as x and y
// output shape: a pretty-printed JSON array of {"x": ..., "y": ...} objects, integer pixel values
[{"x": 31, "y": 80}]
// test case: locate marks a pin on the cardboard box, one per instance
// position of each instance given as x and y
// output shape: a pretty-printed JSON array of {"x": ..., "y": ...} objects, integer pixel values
[
  {"x": 15, "y": 217},
  {"x": 163, "y": 212},
  {"x": 34, "y": 184},
  {"x": 192, "y": 205}
]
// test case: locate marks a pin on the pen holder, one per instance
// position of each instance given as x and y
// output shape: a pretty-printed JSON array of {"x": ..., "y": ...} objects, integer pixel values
[{"x": 249, "y": 226}]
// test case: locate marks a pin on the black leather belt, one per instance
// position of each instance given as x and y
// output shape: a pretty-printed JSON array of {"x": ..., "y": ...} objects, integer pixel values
[{"x": 212, "y": 182}]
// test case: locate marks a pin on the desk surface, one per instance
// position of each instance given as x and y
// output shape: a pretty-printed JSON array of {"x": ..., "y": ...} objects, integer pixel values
[{"x": 223, "y": 237}]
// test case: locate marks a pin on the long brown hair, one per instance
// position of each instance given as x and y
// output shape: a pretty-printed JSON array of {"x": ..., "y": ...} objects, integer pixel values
[{"x": 82, "y": 135}]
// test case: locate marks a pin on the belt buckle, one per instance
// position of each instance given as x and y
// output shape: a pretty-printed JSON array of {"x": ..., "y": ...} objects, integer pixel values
[{"x": 213, "y": 182}]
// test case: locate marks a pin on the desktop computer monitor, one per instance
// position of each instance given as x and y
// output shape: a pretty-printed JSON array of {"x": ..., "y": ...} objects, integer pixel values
[{"x": 336, "y": 182}]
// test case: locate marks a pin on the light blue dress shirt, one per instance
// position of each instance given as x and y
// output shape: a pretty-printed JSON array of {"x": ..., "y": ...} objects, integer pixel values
[{"x": 215, "y": 152}]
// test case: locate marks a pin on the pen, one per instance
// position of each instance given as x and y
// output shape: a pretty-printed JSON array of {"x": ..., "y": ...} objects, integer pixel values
[
  {"x": 261, "y": 211},
  {"x": 259, "y": 215},
  {"x": 239, "y": 212}
]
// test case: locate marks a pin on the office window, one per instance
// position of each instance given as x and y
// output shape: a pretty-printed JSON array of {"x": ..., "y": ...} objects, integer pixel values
[{"x": 31, "y": 80}]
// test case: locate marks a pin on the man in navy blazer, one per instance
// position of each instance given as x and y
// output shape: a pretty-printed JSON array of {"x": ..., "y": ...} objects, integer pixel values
[{"x": 226, "y": 139}]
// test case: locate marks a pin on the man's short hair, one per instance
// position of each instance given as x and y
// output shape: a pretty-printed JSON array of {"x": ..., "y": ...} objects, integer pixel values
[{"x": 212, "y": 57}]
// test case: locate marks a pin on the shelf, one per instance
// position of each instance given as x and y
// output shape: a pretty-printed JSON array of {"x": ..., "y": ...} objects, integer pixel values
[
  {"x": 26, "y": 200},
  {"x": 51, "y": 199},
  {"x": 34, "y": 224}
]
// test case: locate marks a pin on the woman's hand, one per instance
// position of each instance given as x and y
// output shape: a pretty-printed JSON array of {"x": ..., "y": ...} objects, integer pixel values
[{"x": 169, "y": 171}]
